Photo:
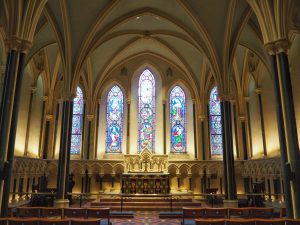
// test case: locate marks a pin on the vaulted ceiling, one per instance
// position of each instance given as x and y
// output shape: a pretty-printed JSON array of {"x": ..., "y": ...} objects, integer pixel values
[{"x": 192, "y": 34}]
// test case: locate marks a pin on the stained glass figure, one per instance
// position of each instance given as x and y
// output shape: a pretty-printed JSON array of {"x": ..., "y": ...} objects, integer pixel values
[
  {"x": 216, "y": 141},
  {"x": 114, "y": 120},
  {"x": 146, "y": 111},
  {"x": 77, "y": 120},
  {"x": 177, "y": 120}
]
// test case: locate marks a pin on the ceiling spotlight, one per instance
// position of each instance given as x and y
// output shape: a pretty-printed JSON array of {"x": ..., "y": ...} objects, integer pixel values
[{"x": 137, "y": 17}]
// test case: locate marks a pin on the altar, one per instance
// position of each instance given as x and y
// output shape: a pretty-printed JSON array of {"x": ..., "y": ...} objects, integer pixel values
[
  {"x": 145, "y": 183},
  {"x": 145, "y": 173}
]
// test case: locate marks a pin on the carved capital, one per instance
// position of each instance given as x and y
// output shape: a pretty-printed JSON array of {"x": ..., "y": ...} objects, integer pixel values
[
  {"x": 226, "y": 97},
  {"x": 242, "y": 117},
  {"x": 68, "y": 96},
  {"x": 258, "y": 91},
  {"x": 33, "y": 89},
  {"x": 45, "y": 98},
  {"x": 49, "y": 117},
  {"x": 17, "y": 44},
  {"x": 202, "y": 117},
  {"x": 278, "y": 46},
  {"x": 90, "y": 117}
]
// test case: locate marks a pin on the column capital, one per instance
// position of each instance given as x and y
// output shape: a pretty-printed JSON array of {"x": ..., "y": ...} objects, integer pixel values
[
  {"x": 193, "y": 100},
  {"x": 90, "y": 117},
  {"x": 258, "y": 91},
  {"x": 33, "y": 89},
  {"x": 278, "y": 46},
  {"x": 225, "y": 97},
  {"x": 128, "y": 100},
  {"x": 45, "y": 98},
  {"x": 246, "y": 98},
  {"x": 68, "y": 96},
  {"x": 242, "y": 117},
  {"x": 17, "y": 44},
  {"x": 49, "y": 117},
  {"x": 202, "y": 117}
]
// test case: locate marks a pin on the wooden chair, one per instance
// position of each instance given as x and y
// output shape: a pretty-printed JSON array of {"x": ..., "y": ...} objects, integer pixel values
[
  {"x": 270, "y": 222},
  {"x": 99, "y": 213},
  {"x": 28, "y": 212},
  {"x": 192, "y": 213},
  {"x": 74, "y": 213},
  {"x": 238, "y": 213},
  {"x": 240, "y": 222},
  {"x": 54, "y": 221},
  {"x": 51, "y": 212},
  {"x": 282, "y": 212},
  {"x": 23, "y": 221},
  {"x": 86, "y": 222},
  {"x": 261, "y": 213},
  {"x": 210, "y": 222},
  {"x": 216, "y": 212},
  {"x": 292, "y": 221},
  {"x": 3, "y": 221}
]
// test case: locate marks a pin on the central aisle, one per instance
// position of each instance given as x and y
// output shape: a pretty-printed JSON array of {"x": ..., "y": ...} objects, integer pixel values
[{"x": 146, "y": 218}]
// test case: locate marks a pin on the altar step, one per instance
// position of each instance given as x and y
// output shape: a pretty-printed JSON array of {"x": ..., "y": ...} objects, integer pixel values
[{"x": 146, "y": 204}]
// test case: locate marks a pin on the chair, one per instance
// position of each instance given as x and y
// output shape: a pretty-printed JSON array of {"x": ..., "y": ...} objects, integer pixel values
[
  {"x": 51, "y": 212},
  {"x": 210, "y": 222},
  {"x": 238, "y": 213},
  {"x": 292, "y": 222},
  {"x": 192, "y": 213},
  {"x": 261, "y": 212},
  {"x": 23, "y": 221},
  {"x": 216, "y": 212},
  {"x": 240, "y": 222},
  {"x": 282, "y": 212},
  {"x": 3, "y": 221},
  {"x": 74, "y": 213},
  {"x": 54, "y": 222},
  {"x": 99, "y": 213},
  {"x": 28, "y": 212},
  {"x": 270, "y": 222},
  {"x": 86, "y": 222}
]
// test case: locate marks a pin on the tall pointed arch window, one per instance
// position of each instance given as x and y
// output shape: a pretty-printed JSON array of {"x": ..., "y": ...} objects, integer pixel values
[
  {"x": 215, "y": 114},
  {"x": 114, "y": 120},
  {"x": 77, "y": 121},
  {"x": 178, "y": 120},
  {"x": 146, "y": 92}
]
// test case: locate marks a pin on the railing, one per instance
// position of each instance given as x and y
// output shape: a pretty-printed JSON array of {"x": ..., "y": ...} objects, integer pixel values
[{"x": 211, "y": 199}]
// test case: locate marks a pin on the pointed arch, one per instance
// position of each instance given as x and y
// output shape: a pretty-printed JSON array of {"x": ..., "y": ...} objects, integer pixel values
[
  {"x": 215, "y": 119},
  {"x": 146, "y": 111},
  {"x": 177, "y": 104},
  {"x": 77, "y": 122},
  {"x": 114, "y": 120}
]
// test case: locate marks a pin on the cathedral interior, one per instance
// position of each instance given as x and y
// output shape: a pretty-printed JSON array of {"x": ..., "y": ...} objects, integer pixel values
[{"x": 165, "y": 97}]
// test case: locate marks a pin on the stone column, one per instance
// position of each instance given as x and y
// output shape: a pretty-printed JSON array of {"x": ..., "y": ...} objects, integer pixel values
[
  {"x": 33, "y": 91},
  {"x": 97, "y": 127},
  {"x": 228, "y": 158},
  {"x": 288, "y": 139},
  {"x": 250, "y": 153},
  {"x": 9, "y": 115},
  {"x": 64, "y": 152},
  {"x": 195, "y": 129},
  {"x": 244, "y": 139},
  {"x": 190, "y": 182},
  {"x": 42, "y": 127},
  {"x": 262, "y": 124},
  {"x": 49, "y": 118},
  {"x": 128, "y": 127},
  {"x": 88, "y": 149}
]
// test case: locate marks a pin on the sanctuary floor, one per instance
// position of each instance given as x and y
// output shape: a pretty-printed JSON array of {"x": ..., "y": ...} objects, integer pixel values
[{"x": 146, "y": 218}]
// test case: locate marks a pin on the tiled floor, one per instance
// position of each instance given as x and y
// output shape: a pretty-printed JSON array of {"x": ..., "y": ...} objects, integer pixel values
[{"x": 146, "y": 218}]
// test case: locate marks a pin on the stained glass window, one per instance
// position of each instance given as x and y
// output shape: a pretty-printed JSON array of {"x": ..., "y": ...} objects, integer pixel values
[
  {"x": 146, "y": 111},
  {"x": 114, "y": 120},
  {"x": 216, "y": 141},
  {"x": 177, "y": 120},
  {"x": 77, "y": 120}
]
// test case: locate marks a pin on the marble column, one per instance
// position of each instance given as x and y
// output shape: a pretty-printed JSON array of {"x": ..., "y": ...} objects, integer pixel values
[
  {"x": 64, "y": 152},
  {"x": 228, "y": 158},
  {"x": 286, "y": 120}
]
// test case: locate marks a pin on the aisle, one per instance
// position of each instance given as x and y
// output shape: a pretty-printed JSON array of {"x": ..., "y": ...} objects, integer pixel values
[{"x": 146, "y": 218}]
